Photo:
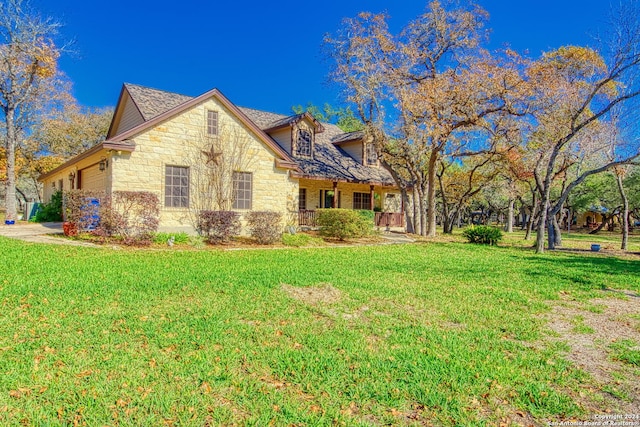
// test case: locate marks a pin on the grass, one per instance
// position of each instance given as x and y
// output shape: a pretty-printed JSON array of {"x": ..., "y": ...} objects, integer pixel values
[
  {"x": 627, "y": 351},
  {"x": 174, "y": 337},
  {"x": 301, "y": 239},
  {"x": 580, "y": 240}
]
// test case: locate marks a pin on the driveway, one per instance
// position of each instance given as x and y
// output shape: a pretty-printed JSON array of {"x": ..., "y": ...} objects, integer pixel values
[{"x": 38, "y": 233}]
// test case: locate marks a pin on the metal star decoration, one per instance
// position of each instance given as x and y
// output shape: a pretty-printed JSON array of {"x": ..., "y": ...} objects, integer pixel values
[{"x": 212, "y": 156}]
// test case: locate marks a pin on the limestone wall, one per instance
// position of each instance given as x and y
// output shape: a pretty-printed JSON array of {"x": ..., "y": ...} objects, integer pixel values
[{"x": 180, "y": 141}]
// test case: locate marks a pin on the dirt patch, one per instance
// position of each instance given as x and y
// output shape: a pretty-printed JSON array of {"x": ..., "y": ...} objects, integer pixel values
[
  {"x": 322, "y": 293},
  {"x": 589, "y": 329}
]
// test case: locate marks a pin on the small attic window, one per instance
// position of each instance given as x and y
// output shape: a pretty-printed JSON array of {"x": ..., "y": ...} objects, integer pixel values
[
  {"x": 212, "y": 123},
  {"x": 303, "y": 143},
  {"x": 370, "y": 155}
]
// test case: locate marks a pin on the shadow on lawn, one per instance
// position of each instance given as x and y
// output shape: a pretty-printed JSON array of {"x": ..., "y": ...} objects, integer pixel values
[{"x": 586, "y": 271}]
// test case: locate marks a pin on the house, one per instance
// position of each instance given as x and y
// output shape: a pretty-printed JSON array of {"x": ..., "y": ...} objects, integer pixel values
[{"x": 205, "y": 152}]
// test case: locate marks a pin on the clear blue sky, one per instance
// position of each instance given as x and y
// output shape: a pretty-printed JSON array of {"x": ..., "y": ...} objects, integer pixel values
[{"x": 263, "y": 54}]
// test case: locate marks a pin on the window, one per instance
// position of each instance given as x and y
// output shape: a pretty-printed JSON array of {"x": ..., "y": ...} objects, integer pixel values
[
  {"x": 371, "y": 156},
  {"x": 326, "y": 199},
  {"x": 302, "y": 199},
  {"x": 242, "y": 190},
  {"x": 176, "y": 187},
  {"x": 362, "y": 201},
  {"x": 212, "y": 123},
  {"x": 303, "y": 147}
]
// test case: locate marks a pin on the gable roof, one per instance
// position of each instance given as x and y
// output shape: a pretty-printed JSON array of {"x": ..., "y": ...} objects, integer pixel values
[
  {"x": 153, "y": 102},
  {"x": 329, "y": 162}
]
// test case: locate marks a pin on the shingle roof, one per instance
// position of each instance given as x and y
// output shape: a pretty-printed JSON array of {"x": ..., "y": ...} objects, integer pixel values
[
  {"x": 332, "y": 163},
  {"x": 263, "y": 119},
  {"x": 328, "y": 162},
  {"x": 153, "y": 102}
]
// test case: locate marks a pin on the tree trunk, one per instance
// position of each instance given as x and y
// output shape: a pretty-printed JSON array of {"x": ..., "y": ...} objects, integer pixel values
[
  {"x": 423, "y": 214},
  {"x": 431, "y": 196},
  {"x": 407, "y": 214},
  {"x": 10, "y": 195},
  {"x": 416, "y": 209},
  {"x": 532, "y": 216},
  {"x": 604, "y": 222},
  {"x": 625, "y": 213},
  {"x": 557, "y": 231},
  {"x": 510, "y": 216},
  {"x": 542, "y": 223}
]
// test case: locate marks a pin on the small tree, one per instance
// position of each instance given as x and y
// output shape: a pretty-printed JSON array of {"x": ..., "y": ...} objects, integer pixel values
[
  {"x": 212, "y": 160},
  {"x": 29, "y": 79}
]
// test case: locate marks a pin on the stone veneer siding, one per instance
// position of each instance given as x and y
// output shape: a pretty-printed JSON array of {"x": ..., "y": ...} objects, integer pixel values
[{"x": 169, "y": 143}]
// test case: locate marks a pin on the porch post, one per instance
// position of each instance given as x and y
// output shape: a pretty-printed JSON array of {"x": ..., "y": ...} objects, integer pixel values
[
  {"x": 334, "y": 202},
  {"x": 401, "y": 210},
  {"x": 371, "y": 204}
]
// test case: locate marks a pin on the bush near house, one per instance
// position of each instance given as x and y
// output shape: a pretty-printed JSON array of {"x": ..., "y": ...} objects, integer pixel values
[
  {"x": 367, "y": 215},
  {"x": 483, "y": 234},
  {"x": 218, "y": 226},
  {"x": 265, "y": 226},
  {"x": 82, "y": 208},
  {"x": 343, "y": 223},
  {"x": 52, "y": 211},
  {"x": 132, "y": 216}
]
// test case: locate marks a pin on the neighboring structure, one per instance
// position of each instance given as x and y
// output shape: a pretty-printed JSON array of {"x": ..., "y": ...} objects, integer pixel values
[{"x": 169, "y": 144}]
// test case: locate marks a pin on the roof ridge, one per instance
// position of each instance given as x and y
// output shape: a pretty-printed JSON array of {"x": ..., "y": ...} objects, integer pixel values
[{"x": 156, "y": 89}]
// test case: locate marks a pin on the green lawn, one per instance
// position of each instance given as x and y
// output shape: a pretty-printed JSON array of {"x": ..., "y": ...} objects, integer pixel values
[{"x": 442, "y": 333}]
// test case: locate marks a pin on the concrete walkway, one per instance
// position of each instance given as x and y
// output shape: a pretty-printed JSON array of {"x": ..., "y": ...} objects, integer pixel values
[
  {"x": 396, "y": 237},
  {"x": 39, "y": 233}
]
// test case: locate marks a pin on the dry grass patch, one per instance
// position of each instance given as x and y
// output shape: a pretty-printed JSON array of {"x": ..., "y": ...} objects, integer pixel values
[
  {"x": 603, "y": 323},
  {"x": 322, "y": 293}
]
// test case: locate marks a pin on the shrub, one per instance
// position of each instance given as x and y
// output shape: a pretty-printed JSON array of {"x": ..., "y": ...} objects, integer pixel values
[
  {"x": 52, "y": 211},
  {"x": 133, "y": 216},
  {"x": 483, "y": 234},
  {"x": 343, "y": 223},
  {"x": 218, "y": 226},
  {"x": 82, "y": 208},
  {"x": 367, "y": 215},
  {"x": 265, "y": 226}
]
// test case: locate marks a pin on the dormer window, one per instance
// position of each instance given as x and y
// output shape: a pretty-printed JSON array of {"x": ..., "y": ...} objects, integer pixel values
[
  {"x": 303, "y": 144},
  {"x": 370, "y": 155}
]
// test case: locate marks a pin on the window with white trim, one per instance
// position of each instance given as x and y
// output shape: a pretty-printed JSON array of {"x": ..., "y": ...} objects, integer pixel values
[
  {"x": 176, "y": 186},
  {"x": 242, "y": 190},
  {"x": 370, "y": 154},
  {"x": 303, "y": 144},
  {"x": 212, "y": 123}
]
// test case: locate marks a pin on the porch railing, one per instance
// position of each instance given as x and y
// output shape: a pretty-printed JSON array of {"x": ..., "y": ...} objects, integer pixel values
[
  {"x": 307, "y": 217},
  {"x": 389, "y": 219},
  {"x": 382, "y": 219}
]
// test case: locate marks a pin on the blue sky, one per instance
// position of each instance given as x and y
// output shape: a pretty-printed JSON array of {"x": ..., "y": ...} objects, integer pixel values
[{"x": 262, "y": 54}]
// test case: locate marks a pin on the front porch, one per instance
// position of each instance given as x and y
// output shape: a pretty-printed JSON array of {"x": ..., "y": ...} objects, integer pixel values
[
  {"x": 307, "y": 218},
  {"x": 320, "y": 194}
]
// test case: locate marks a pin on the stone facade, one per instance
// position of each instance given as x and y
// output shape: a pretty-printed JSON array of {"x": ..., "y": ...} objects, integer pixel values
[
  {"x": 172, "y": 132},
  {"x": 180, "y": 141}
]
